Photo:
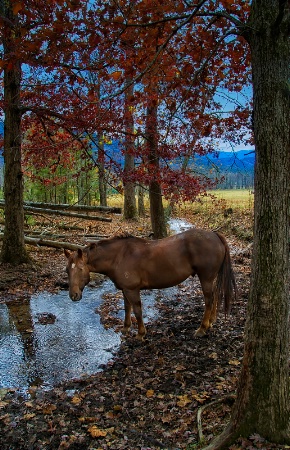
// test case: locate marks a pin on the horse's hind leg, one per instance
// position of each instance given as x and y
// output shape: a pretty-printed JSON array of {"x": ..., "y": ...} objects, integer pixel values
[
  {"x": 209, "y": 316},
  {"x": 133, "y": 297}
]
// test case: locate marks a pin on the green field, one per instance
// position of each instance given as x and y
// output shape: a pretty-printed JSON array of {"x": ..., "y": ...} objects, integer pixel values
[{"x": 234, "y": 198}]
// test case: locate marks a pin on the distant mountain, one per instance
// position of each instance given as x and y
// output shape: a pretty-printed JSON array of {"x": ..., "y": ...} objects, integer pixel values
[{"x": 242, "y": 161}]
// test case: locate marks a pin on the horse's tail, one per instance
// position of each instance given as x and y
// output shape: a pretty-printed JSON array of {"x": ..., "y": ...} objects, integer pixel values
[{"x": 225, "y": 286}]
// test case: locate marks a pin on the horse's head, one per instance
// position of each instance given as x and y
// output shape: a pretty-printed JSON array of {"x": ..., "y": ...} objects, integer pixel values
[{"x": 78, "y": 273}]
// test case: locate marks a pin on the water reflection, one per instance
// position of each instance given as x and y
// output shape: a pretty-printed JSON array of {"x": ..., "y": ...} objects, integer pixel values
[
  {"x": 36, "y": 353},
  {"x": 49, "y": 339}
]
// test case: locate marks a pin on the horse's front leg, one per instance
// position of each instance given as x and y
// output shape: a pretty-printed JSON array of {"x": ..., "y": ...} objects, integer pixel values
[
  {"x": 133, "y": 297},
  {"x": 127, "y": 321},
  {"x": 209, "y": 315}
]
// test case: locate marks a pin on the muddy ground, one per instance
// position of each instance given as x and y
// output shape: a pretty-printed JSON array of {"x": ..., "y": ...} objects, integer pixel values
[{"x": 149, "y": 396}]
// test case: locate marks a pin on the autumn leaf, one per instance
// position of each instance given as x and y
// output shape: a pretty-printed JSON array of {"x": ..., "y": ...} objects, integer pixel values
[
  {"x": 200, "y": 397},
  {"x": 150, "y": 393},
  {"x": 88, "y": 419},
  {"x": 76, "y": 400},
  {"x": 234, "y": 362},
  {"x": 97, "y": 432},
  {"x": 180, "y": 368},
  {"x": 118, "y": 408},
  {"x": 17, "y": 7},
  {"x": 28, "y": 416},
  {"x": 29, "y": 404},
  {"x": 116, "y": 75},
  {"x": 48, "y": 409},
  {"x": 167, "y": 418},
  {"x": 183, "y": 401}
]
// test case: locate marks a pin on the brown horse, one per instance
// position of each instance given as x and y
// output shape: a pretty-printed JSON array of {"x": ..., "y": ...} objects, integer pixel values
[{"x": 134, "y": 264}]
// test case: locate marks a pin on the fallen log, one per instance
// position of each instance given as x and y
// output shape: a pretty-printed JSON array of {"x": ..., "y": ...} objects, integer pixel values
[
  {"x": 67, "y": 206},
  {"x": 62, "y": 213},
  {"x": 49, "y": 243}
]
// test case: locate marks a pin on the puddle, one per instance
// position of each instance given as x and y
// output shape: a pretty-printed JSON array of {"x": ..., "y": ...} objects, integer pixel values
[
  {"x": 179, "y": 225},
  {"x": 49, "y": 339}
]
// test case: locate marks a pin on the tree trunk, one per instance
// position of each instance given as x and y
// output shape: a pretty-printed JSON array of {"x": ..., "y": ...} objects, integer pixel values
[
  {"x": 262, "y": 404},
  {"x": 130, "y": 207},
  {"x": 102, "y": 178},
  {"x": 141, "y": 204},
  {"x": 13, "y": 248},
  {"x": 157, "y": 215}
]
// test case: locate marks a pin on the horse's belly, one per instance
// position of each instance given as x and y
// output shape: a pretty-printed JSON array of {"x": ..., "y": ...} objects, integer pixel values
[{"x": 160, "y": 280}]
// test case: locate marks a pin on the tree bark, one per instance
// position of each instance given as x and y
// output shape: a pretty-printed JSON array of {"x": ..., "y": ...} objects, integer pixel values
[
  {"x": 130, "y": 207},
  {"x": 262, "y": 404},
  {"x": 13, "y": 248},
  {"x": 102, "y": 178},
  {"x": 157, "y": 215},
  {"x": 141, "y": 204}
]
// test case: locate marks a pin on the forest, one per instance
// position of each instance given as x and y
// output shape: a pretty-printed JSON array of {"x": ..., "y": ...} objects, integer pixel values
[{"x": 138, "y": 100}]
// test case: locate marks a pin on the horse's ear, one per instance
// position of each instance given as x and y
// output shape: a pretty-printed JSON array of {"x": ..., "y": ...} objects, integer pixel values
[
  {"x": 80, "y": 253},
  {"x": 67, "y": 253}
]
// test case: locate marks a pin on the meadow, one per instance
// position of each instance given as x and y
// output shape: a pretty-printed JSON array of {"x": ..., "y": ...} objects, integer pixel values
[{"x": 230, "y": 211}]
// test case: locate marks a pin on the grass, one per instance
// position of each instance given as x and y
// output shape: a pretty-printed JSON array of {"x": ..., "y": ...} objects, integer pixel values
[{"x": 230, "y": 211}]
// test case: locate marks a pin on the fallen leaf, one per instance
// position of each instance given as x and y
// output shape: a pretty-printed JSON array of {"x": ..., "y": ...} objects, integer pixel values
[
  {"x": 234, "y": 362},
  {"x": 76, "y": 400},
  {"x": 28, "y": 416},
  {"x": 48, "y": 409},
  {"x": 150, "y": 393},
  {"x": 180, "y": 367},
  {"x": 183, "y": 401},
  {"x": 167, "y": 418},
  {"x": 118, "y": 408},
  {"x": 200, "y": 397},
  {"x": 29, "y": 404},
  {"x": 96, "y": 432}
]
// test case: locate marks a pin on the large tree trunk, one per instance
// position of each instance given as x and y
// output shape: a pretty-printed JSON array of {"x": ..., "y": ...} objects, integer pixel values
[
  {"x": 157, "y": 215},
  {"x": 262, "y": 404},
  {"x": 13, "y": 248},
  {"x": 130, "y": 207}
]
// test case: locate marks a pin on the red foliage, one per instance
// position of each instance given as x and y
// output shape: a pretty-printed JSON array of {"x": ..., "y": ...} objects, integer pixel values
[{"x": 80, "y": 57}]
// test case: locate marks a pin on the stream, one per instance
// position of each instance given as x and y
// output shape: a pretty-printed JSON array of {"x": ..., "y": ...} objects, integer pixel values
[{"x": 48, "y": 338}]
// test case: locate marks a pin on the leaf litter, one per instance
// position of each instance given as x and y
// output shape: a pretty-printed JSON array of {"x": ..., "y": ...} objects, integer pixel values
[{"x": 148, "y": 397}]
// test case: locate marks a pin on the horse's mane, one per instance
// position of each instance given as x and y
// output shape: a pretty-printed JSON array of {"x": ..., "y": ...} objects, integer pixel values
[
  {"x": 111, "y": 239},
  {"x": 124, "y": 235}
]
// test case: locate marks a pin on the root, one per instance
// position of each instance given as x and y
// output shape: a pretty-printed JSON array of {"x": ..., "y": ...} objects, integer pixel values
[{"x": 228, "y": 398}]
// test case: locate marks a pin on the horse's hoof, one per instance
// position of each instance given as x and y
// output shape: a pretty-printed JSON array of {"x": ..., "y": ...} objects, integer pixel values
[
  {"x": 125, "y": 330},
  {"x": 200, "y": 332},
  {"x": 140, "y": 337}
]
